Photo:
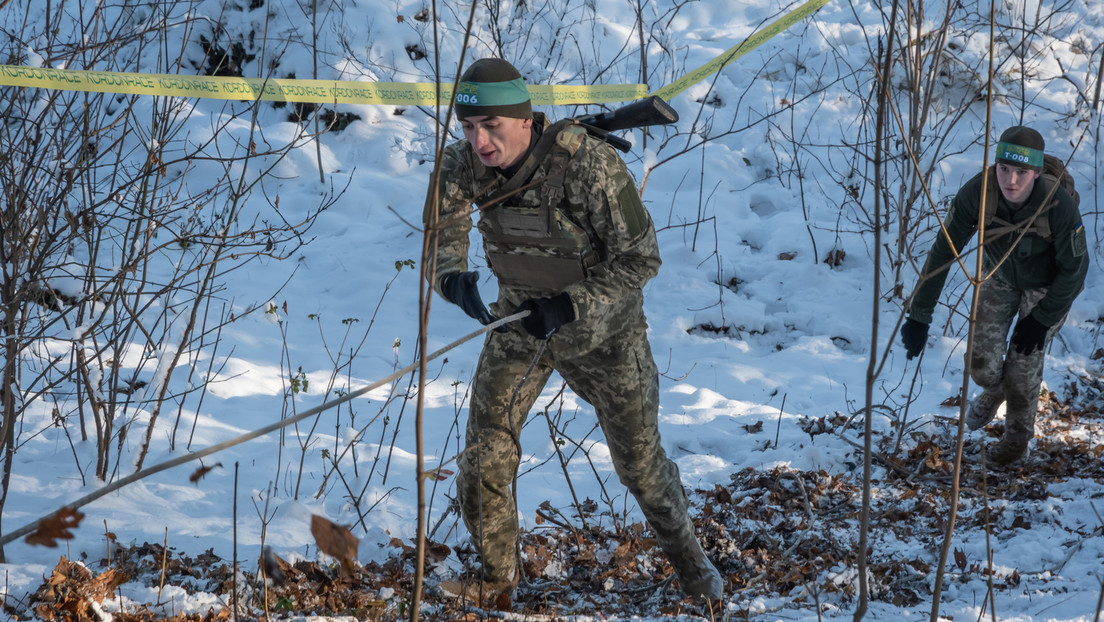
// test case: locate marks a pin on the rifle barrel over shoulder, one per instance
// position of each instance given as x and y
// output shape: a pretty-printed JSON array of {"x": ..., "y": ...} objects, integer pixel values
[
  {"x": 641, "y": 113},
  {"x": 651, "y": 110}
]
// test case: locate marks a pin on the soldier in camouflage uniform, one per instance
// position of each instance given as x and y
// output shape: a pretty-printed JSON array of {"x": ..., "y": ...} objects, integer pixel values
[
  {"x": 574, "y": 246},
  {"x": 1037, "y": 279}
]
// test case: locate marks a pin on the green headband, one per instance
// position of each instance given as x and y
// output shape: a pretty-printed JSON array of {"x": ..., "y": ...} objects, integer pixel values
[
  {"x": 506, "y": 93},
  {"x": 1019, "y": 155}
]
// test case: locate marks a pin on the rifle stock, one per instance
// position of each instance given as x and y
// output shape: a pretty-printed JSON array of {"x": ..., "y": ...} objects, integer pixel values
[{"x": 651, "y": 110}]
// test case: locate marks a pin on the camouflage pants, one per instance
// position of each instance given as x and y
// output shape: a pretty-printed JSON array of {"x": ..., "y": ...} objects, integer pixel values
[
  {"x": 998, "y": 368},
  {"x": 620, "y": 380}
]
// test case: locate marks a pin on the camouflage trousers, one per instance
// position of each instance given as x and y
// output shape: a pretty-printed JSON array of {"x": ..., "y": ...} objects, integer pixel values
[
  {"x": 996, "y": 367},
  {"x": 620, "y": 380}
]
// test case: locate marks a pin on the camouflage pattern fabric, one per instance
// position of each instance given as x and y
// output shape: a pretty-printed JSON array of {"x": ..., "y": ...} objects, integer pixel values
[
  {"x": 997, "y": 367},
  {"x": 620, "y": 380},
  {"x": 603, "y": 355},
  {"x": 600, "y": 199}
]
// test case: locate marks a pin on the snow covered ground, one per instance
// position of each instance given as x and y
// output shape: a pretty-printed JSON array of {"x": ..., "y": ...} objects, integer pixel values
[{"x": 763, "y": 345}]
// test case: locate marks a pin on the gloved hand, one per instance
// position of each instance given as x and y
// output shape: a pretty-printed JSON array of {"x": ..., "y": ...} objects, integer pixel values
[
  {"x": 546, "y": 315},
  {"x": 914, "y": 335},
  {"x": 460, "y": 289},
  {"x": 1029, "y": 335}
]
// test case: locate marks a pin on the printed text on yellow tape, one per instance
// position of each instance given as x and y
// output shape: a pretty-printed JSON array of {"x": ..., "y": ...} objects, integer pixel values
[
  {"x": 357, "y": 92},
  {"x": 316, "y": 91}
]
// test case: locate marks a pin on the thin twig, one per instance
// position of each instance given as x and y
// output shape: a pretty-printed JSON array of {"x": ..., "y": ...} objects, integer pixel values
[
  {"x": 991, "y": 591},
  {"x": 778, "y": 428},
  {"x": 196, "y": 455},
  {"x": 164, "y": 565}
]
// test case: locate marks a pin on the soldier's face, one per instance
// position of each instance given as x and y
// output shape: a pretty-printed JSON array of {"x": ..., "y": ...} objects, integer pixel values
[
  {"x": 498, "y": 141},
  {"x": 1015, "y": 183}
]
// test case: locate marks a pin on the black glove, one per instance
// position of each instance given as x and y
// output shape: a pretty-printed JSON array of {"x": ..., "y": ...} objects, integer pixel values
[
  {"x": 459, "y": 288},
  {"x": 546, "y": 315},
  {"x": 1029, "y": 335},
  {"x": 914, "y": 335}
]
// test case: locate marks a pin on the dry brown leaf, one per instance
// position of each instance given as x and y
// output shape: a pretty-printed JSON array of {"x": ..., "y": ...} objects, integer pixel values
[
  {"x": 935, "y": 462},
  {"x": 72, "y": 591},
  {"x": 437, "y": 552},
  {"x": 335, "y": 540},
  {"x": 219, "y": 616},
  {"x": 104, "y": 584},
  {"x": 57, "y": 527},
  {"x": 623, "y": 555},
  {"x": 835, "y": 257},
  {"x": 273, "y": 566},
  {"x": 202, "y": 472}
]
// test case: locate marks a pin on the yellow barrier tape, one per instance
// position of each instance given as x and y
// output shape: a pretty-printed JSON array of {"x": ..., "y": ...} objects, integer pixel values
[
  {"x": 356, "y": 92},
  {"x": 747, "y": 45},
  {"x": 316, "y": 91}
]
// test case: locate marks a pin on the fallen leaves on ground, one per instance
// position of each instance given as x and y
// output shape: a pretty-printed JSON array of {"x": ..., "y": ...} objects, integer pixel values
[{"x": 780, "y": 533}]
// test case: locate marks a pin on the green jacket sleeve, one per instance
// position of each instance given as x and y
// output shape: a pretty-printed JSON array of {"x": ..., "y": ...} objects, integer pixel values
[
  {"x": 961, "y": 224},
  {"x": 1071, "y": 260}
]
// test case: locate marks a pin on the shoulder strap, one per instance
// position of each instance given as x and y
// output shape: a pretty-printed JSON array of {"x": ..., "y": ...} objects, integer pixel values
[
  {"x": 568, "y": 138},
  {"x": 1042, "y": 221},
  {"x": 991, "y": 190},
  {"x": 996, "y": 227}
]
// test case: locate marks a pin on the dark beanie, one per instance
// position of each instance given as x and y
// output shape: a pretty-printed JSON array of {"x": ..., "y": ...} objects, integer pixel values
[
  {"x": 1021, "y": 146},
  {"x": 494, "y": 88}
]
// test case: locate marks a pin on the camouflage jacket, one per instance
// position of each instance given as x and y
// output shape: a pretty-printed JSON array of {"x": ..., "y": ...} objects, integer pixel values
[
  {"x": 600, "y": 199},
  {"x": 1057, "y": 264}
]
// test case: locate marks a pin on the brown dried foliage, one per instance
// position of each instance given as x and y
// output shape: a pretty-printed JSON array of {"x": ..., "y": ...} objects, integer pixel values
[
  {"x": 73, "y": 592},
  {"x": 336, "y": 541},
  {"x": 202, "y": 472},
  {"x": 782, "y": 532},
  {"x": 60, "y": 526}
]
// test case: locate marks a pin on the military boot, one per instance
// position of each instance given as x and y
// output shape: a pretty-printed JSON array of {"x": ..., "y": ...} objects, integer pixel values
[
  {"x": 474, "y": 588},
  {"x": 697, "y": 575},
  {"x": 1019, "y": 429},
  {"x": 983, "y": 408},
  {"x": 1006, "y": 451}
]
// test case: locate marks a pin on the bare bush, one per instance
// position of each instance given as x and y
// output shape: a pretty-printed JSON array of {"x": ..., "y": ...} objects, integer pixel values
[{"x": 117, "y": 233}]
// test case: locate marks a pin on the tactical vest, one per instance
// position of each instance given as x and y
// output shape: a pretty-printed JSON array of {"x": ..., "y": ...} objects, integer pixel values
[{"x": 537, "y": 247}]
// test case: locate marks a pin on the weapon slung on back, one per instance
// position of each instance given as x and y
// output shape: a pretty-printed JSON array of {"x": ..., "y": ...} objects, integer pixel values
[{"x": 641, "y": 113}]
